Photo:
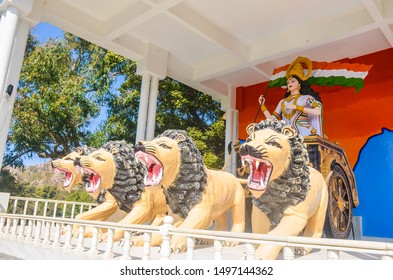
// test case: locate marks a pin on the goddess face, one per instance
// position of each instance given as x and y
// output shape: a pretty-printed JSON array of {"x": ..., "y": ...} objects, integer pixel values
[{"x": 293, "y": 84}]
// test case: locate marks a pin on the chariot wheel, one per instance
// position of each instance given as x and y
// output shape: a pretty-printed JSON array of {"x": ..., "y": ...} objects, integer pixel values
[{"x": 338, "y": 223}]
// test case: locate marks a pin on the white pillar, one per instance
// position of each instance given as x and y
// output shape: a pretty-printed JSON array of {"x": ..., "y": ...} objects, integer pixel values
[
  {"x": 143, "y": 103},
  {"x": 151, "y": 120},
  {"x": 12, "y": 79},
  {"x": 231, "y": 127},
  {"x": 9, "y": 25},
  {"x": 2, "y": 23},
  {"x": 228, "y": 135},
  {"x": 235, "y": 137}
]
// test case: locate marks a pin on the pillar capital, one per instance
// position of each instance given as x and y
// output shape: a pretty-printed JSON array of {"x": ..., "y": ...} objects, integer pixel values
[
  {"x": 154, "y": 63},
  {"x": 23, "y": 6}
]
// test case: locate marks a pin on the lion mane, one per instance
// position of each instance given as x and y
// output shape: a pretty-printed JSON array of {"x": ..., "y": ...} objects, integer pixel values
[
  {"x": 292, "y": 186},
  {"x": 186, "y": 190},
  {"x": 128, "y": 181}
]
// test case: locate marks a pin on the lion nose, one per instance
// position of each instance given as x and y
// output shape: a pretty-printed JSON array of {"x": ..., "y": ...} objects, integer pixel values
[
  {"x": 244, "y": 150},
  {"x": 77, "y": 161},
  {"x": 139, "y": 147}
]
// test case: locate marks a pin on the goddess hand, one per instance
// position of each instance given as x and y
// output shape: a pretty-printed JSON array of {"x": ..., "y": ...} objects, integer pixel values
[{"x": 261, "y": 100}]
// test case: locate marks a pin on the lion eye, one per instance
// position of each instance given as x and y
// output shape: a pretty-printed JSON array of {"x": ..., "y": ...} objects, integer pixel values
[
  {"x": 165, "y": 146},
  {"x": 99, "y": 158},
  {"x": 274, "y": 144}
]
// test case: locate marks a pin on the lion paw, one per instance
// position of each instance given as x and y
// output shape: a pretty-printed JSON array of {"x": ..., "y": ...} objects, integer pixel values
[
  {"x": 203, "y": 241},
  {"x": 138, "y": 241},
  {"x": 102, "y": 237},
  {"x": 230, "y": 243},
  {"x": 75, "y": 231},
  {"x": 178, "y": 244},
  {"x": 302, "y": 251}
]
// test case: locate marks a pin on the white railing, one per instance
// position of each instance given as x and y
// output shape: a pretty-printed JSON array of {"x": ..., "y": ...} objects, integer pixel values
[
  {"x": 57, "y": 233},
  {"x": 47, "y": 207}
]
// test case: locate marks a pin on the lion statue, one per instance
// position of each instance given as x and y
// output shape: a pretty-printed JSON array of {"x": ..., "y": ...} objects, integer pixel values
[
  {"x": 114, "y": 177},
  {"x": 199, "y": 196},
  {"x": 288, "y": 195},
  {"x": 65, "y": 166}
]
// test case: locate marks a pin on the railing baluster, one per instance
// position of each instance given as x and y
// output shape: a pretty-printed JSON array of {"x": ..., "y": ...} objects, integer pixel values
[
  {"x": 218, "y": 250},
  {"x": 190, "y": 248},
  {"x": 333, "y": 254},
  {"x": 109, "y": 245},
  {"x": 2, "y": 223},
  {"x": 126, "y": 246},
  {"x": 64, "y": 210},
  {"x": 7, "y": 227},
  {"x": 81, "y": 237},
  {"x": 45, "y": 208},
  {"x": 35, "y": 208},
  {"x": 14, "y": 228},
  {"x": 15, "y": 206},
  {"x": 67, "y": 242},
  {"x": 250, "y": 251},
  {"x": 29, "y": 232},
  {"x": 54, "y": 210},
  {"x": 94, "y": 242},
  {"x": 72, "y": 210},
  {"x": 56, "y": 239},
  {"x": 46, "y": 241},
  {"x": 21, "y": 236},
  {"x": 288, "y": 253},
  {"x": 165, "y": 251},
  {"x": 37, "y": 233},
  {"x": 146, "y": 246},
  {"x": 25, "y": 207}
]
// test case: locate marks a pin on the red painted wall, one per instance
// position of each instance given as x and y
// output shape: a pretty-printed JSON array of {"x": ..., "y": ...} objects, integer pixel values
[{"x": 349, "y": 118}]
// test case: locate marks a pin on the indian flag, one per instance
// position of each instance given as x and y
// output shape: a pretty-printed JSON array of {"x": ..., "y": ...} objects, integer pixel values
[{"x": 327, "y": 73}]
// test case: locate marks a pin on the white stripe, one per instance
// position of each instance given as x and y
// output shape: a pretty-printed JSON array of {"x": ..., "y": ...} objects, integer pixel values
[
  {"x": 326, "y": 73},
  {"x": 278, "y": 75},
  {"x": 338, "y": 72}
]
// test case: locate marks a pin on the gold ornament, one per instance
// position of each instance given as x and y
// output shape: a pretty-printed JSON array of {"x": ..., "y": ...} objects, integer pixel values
[{"x": 296, "y": 68}]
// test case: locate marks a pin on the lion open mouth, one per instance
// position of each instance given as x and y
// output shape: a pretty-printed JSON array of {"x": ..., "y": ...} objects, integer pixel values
[
  {"x": 94, "y": 180},
  {"x": 154, "y": 168},
  {"x": 260, "y": 171},
  {"x": 67, "y": 176}
]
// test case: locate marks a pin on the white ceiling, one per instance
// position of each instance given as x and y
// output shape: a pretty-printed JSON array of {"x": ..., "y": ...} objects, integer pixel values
[{"x": 218, "y": 45}]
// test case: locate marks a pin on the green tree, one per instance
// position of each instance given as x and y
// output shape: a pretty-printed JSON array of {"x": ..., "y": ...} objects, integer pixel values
[{"x": 64, "y": 84}]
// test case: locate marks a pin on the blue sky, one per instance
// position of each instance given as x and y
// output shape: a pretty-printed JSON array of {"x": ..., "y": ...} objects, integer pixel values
[{"x": 45, "y": 31}]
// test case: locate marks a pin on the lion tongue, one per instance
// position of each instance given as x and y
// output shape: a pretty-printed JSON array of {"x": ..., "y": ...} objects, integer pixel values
[
  {"x": 67, "y": 176},
  {"x": 259, "y": 175},
  {"x": 154, "y": 168},
  {"x": 94, "y": 180},
  {"x": 68, "y": 179}
]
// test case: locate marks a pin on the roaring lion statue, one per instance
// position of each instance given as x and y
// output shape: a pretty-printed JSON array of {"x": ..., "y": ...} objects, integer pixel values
[
  {"x": 288, "y": 195},
  {"x": 114, "y": 177},
  {"x": 65, "y": 166},
  {"x": 196, "y": 194}
]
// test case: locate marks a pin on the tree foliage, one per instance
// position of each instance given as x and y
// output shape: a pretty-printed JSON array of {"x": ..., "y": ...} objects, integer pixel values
[{"x": 63, "y": 86}]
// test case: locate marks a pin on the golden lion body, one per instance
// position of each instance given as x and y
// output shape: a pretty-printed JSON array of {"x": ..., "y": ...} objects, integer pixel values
[
  {"x": 142, "y": 205},
  {"x": 289, "y": 196},
  {"x": 196, "y": 194}
]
